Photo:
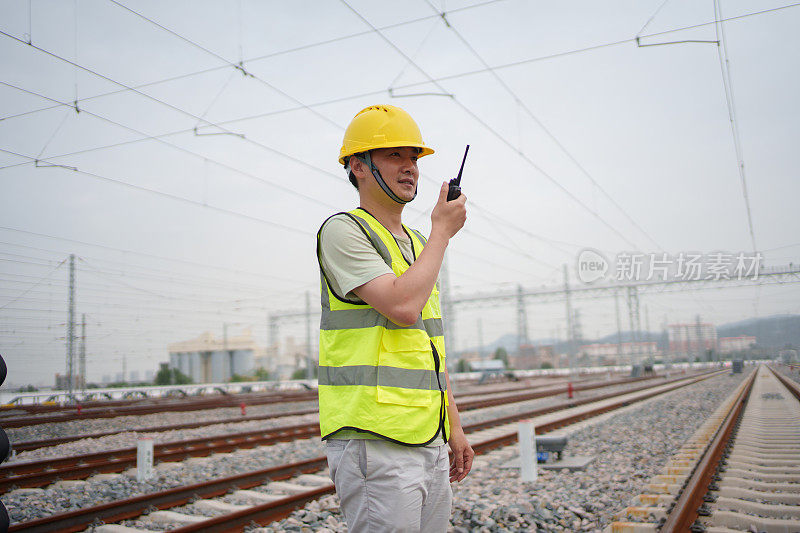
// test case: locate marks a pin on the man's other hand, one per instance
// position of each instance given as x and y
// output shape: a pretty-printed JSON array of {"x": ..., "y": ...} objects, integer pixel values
[{"x": 461, "y": 463}]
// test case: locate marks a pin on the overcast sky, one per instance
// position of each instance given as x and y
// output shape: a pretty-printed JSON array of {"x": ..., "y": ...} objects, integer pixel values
[{"x": 200, "y": 187}]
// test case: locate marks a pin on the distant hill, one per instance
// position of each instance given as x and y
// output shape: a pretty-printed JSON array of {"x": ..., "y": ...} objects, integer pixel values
[{"x": 773, "y": 331}]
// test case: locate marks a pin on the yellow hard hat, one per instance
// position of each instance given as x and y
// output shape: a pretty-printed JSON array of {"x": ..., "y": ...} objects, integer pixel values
[{"x": 381, "y": 126}]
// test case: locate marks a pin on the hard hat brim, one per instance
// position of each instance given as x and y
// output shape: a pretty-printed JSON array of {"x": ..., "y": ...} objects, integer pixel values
[{"x": 423, "y": 150}]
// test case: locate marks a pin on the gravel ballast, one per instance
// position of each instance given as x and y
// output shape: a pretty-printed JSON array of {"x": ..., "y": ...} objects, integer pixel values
[{"x": 628, "y": 448}]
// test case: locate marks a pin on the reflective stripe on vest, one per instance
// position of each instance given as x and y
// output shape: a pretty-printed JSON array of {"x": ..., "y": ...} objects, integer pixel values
[{"x": 374, "y": 375}]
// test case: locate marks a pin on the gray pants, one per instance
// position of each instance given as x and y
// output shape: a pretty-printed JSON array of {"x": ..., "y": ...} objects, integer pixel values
[{"x": 384, "y": 486}]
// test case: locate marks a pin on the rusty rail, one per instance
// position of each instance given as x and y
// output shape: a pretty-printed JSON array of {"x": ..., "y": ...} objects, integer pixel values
[
  {"x": 465, "y": 406},
  {"x": 115, "y": 511},
  {"x": 46, "y": 471},
  {"x": 684, "y": 512},
  {"x": 40, "y": 473},
  {"x": 124, "y": 509},
  {"x": 789, "y": 383},
  {"x": 270, "y": 512}
]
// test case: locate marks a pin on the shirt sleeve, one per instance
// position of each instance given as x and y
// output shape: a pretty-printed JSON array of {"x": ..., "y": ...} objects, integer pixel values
[{"x": 347, "y": 257}]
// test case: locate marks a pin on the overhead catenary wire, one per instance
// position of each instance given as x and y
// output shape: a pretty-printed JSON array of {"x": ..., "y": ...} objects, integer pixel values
[
  {"x": 382, "y": 91},
  {"x": 544, "y": 128},
  {"x": 406, "y": 86},
  {"x": 262, "y": 57},
  {"x": 239, "y": 66},
  {"x": 145, "y": 254},
  {"x": 221, "y": 164},
  {"x": 724, "y": 63},
  {"x": 490, "y": 129},
  {"x": 166, "y": 104},
  {"x": 175, "y": 197},
  {"x": 37, "y": 148},
  {"x": 170, "y": 276},
  {"x": 653, "y": 16},
  {"x": 34, "y": 285},
  {"x": 659, "y": 33}
]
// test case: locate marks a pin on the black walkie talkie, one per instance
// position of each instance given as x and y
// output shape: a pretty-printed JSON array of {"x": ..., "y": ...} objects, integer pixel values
[{"x": 455, "y": 183}]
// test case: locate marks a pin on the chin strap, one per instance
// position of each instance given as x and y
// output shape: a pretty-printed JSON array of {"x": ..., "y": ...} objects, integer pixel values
[{"x": 368, "y": 161}]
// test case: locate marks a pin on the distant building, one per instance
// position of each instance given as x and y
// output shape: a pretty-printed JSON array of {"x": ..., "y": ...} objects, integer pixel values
[
  {"x": 281, "y": 359},
  {"x": 694, "y": 338},
  {"x": 62, "y": 382},
  {"x": 526, "y": 359},
  {"x": 617, "y": 353},
  {"x": 735, "y": 344},
  {"x": 149, "y": 375},
  {"x": 207, "y": 359},
  {"x": 487, "y": 365},
  {"x": 547, "y": 354},
  {"x": 133, "y": 375}
]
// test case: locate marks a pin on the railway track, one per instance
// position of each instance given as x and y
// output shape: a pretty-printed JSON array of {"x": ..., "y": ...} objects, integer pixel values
[
  {"x": 274, "y": 499},
  {"x": 36, "y": 412},
  {"x": 151, "y": 408},
  {"x": 739, "y": 472},
  {"x": 32, "y": 474},
  {"x": 57, "y": 414},
  {"x": 87, "y": 405},
  {"x": 518, "y": 393}
]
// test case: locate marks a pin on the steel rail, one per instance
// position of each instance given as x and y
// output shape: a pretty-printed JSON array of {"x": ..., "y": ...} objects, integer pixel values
[
  {"x": 88, "y": 405},
  {"x": 8, "y": 412},
  {"x": 685, "y": 511},
  {"x": 790, "y": 384},
  {"x": 68, "y": 414},
  {"x": 44, "y": 443},
  {"x": 270, "y": 512},
  {"x": 115, "y": 511},
  {"x": 136, "y": 410},
  {"x": 31, "y": 474},
  {"x": 42, "y": 473},
  {"x": 79, "y": 520},
  {"x": 542, "y": 391}
]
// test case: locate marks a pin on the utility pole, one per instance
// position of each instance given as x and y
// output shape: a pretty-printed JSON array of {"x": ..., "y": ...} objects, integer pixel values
[
  {"x": 225, "y": 349},
  {"x": 699, "y": 339},
  {"x": 82, "y": 356},
  {"x": 71, "y": 327},
  {"x": 480, "y": 339},
  {"x": 647, "y": 329},
  {"x": 522, "y": 321},
  {"x": 309, "y": 360},
  {"x": 570, "y": 347},
  {"x": 619, "y": 326},
  {"x": 577, "y": 328},
  {"x": 272, "y": 338},
  {"x": 633, "y": 316}
]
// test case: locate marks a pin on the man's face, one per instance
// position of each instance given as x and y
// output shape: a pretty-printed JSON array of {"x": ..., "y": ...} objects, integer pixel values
[{"x": 398, "y": 167}]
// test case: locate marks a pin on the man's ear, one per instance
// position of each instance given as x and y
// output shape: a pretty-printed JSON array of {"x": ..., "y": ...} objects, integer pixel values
[{"x": 358, "y": 167}]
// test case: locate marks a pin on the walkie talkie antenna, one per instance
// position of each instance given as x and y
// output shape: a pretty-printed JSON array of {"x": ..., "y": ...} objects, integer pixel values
[
  {"x": 461, "y": 170},
  {"x": 455, "y": 184}
]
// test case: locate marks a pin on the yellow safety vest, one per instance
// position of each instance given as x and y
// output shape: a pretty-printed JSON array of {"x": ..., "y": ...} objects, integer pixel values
[{"x": 376, "y": 376}]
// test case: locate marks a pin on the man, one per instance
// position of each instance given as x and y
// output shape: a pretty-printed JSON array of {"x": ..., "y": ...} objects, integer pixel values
[{"x": 386, "y": 409}]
